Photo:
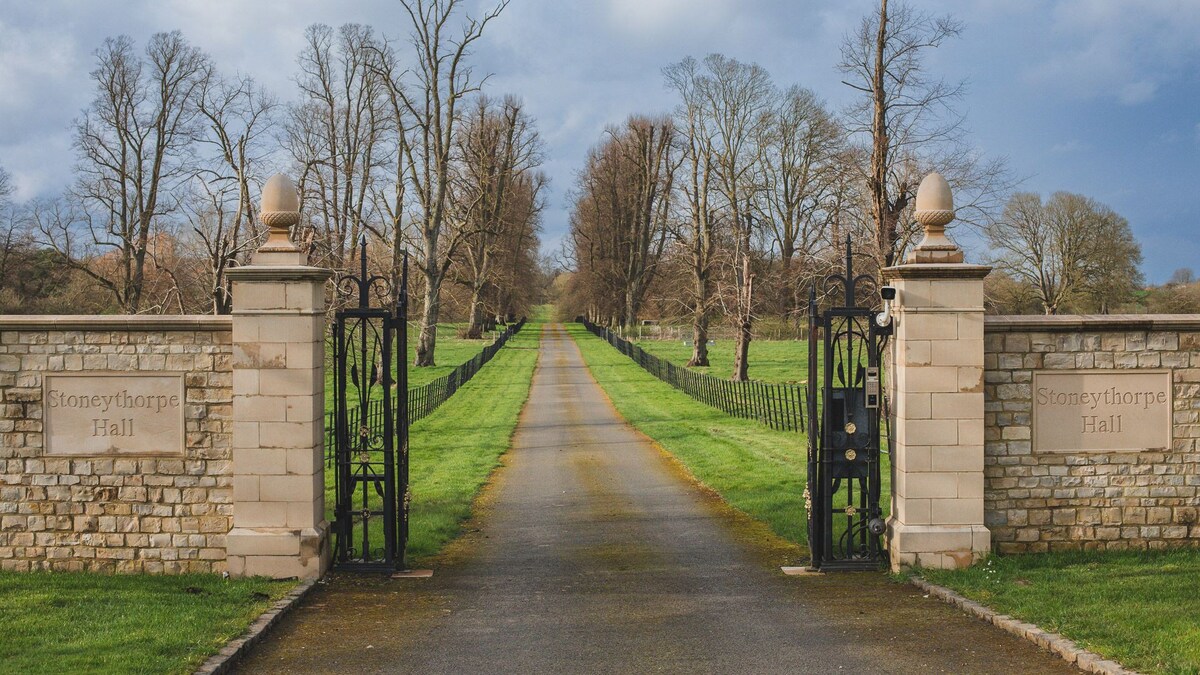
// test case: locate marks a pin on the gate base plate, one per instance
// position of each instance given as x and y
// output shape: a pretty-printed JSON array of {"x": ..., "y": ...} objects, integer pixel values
[
  {"x": 413, "y": 574},
  {"x": 801, "y": 571}
]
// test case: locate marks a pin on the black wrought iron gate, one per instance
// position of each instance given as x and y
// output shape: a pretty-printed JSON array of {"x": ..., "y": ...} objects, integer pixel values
[
  {"x": 845, "y": 396},
  {"x": 370, "y": 458}
]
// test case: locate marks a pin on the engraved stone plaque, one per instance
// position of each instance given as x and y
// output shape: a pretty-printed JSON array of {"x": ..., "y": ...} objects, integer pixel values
[
  {"x": 1102, "y": 410},
  {"x": 113, "y": 414}
]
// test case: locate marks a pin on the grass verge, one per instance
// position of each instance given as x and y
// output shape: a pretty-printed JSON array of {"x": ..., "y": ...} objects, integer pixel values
[
  {"x": 455, "y": 449},
  {"x": 78, "y": 622},
  {"x": 757, "y": 470},
  {"x": 67, "y": 622},
  {"x": 776, "y": 361},
  {"x": 1136, "y": 607},
  {"x": 452, "y": 351}
]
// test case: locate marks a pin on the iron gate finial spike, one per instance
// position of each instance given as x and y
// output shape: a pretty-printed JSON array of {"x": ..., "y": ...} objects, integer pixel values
[
  {"x": 402, "y": 299},
  {"x": 849, "y": 272},
  {"x": 364, "y": 285}
]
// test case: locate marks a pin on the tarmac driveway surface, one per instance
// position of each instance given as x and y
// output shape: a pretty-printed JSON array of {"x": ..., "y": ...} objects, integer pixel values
[{"x": 593, "y": 553}]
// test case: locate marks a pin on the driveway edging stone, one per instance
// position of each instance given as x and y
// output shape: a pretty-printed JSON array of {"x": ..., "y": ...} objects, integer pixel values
[
  {"x": 224, "y": 660},
  {"x": 1064, "y": 647}
]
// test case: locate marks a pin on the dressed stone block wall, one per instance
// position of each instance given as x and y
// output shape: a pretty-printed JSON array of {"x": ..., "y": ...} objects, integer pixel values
[
  {"x": 1039, "y": 501},
  {"x": 157, "y": 511}
]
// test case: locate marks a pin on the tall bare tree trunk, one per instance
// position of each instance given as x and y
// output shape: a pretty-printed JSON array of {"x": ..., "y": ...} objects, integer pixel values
[
  {"x": 741, "y": 352},
  {"x": 631, "y": 308},
  {"x": 885, "y": 221},
  {"x": 427, "y": 340},
  {"x": 700, "y": 322},
  {"x": 475, "y": 326}
]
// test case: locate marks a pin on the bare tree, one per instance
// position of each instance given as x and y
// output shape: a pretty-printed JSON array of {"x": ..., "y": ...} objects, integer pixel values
[
  {"x": 515, "y": 283},
  {"x": 14, "y": 231},
  {"x": 697, "y": 229},
  {"x": 333, "y": 135},
  {"x": 734, "y": 101},
  {"x": 646, "y": 146},
  {"x": 133, "y": 143},
  {"x": 803, "y": 163},
  {"x": 1182, "y": 276},
  {"x": 497, "y": 147},
  {"x": 239, "y": 120},
  {"x": 594, "y": 288},
  {"x": 391, "y": 193},
  {"x": 620, "y": 218},
  {"x": 443, "y": 79},
  {"x": 903, "y": 110},
  {"x": 1070, "y": 249}
]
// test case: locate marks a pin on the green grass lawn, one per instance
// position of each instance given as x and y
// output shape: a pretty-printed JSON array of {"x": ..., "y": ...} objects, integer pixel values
[
  {"x": 755, "y": 469},
  {"x": 68, "y": 623},
  {"x": 455, "y": 449},
  {"x": 1140, "y": 608},
  {"x": 94, "y": 623},
  {"x": 451, "y": 352},
  {"x": 780, "y": 361}
]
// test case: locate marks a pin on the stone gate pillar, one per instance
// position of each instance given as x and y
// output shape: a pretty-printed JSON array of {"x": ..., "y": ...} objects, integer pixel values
[
  {"x": 279, "y": 527},
  {"x": 936, "y": 382}
]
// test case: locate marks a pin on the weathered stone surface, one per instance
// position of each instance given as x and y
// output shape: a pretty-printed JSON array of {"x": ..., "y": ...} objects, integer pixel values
[
  {"x": 937, "y": 431},
  {"x": 158, "y": 515},
  {"x": 1115, "y": 499}
]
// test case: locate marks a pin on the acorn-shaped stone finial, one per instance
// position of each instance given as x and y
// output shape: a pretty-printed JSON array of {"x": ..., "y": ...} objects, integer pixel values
[
  {"x": 934, "y": 210},
  {"x": 279, "y": 211}
]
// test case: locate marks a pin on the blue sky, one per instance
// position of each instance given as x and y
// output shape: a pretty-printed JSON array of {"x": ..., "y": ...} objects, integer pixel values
[{"x": 1100, "y": 97}]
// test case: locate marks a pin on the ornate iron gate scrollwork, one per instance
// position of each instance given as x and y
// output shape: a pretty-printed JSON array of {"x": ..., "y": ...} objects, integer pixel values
[
  {"x": 370, "y": 528},
  {"x": 845, "y": 396}
]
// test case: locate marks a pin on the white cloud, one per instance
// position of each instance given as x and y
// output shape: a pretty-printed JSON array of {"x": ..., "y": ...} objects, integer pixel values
[
  {"x": 1137, "y": 92},
  {"x": 30, "y": 60},
  {"x": 1069, "y": 147},
  {"x": 1112, "y": 49},
  {"x": 656, "y": 17}
]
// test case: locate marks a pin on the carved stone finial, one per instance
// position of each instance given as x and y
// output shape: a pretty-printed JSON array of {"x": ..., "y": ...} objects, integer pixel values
[
  {"x": 935, "y": 210},
  {"x": 279, "y": 210}
]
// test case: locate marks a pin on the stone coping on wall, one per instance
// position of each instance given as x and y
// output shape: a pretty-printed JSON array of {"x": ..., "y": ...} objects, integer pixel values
[
  {"x": 101, "y": 322},
  {"x": 278, "y": 273},
  {"x": 954, "y": 271},
  {"x": 1091, "y": 322}
]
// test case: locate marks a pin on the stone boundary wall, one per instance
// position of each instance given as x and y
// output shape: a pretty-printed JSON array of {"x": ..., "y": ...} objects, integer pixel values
[
  {"x": 151, "y": 512},
  {"x": 1039, "y": 501}
]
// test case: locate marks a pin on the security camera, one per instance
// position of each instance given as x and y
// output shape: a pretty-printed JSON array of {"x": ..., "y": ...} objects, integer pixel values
[{"x": 884, "y": 318}]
